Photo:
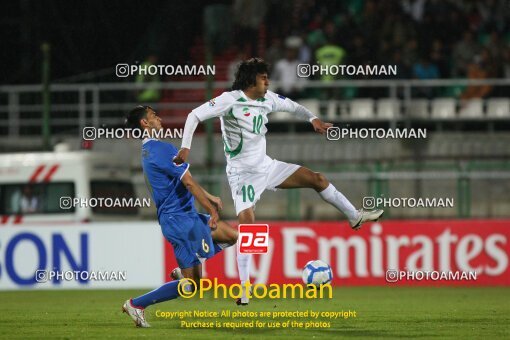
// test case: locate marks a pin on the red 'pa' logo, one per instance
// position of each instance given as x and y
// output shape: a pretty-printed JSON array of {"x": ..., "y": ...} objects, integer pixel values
[{"x": 253, "y": 238}]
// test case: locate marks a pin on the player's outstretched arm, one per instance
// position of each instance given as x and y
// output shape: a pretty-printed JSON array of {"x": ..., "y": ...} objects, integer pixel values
[
  {"x": 319, "y": 126},
  {"x": 199, "y": 194},
  {"x": 189, "y": 129},
  {"x": 215, "y": 200},
  {"x": 281, "y": 103},
  {"x": 216, "y": 107}
]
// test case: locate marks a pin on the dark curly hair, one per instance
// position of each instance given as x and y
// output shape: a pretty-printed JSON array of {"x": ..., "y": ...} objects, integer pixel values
[
  {"x": 247, "y": 71},
  {"x": 134, "y": 116}
]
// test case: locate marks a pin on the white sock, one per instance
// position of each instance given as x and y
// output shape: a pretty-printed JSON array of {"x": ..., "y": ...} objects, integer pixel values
[
  {"x": 224, "y": 245},
  {"x": 339, "y": 201},
  {"x": 243, "y": 267}
]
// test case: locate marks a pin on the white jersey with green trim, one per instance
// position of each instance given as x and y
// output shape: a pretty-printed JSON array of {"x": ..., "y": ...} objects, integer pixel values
[{"x": 243, "y": 124}]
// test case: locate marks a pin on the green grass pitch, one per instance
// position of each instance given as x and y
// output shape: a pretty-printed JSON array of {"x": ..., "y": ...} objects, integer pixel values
[{"x": 388, "y": 312}]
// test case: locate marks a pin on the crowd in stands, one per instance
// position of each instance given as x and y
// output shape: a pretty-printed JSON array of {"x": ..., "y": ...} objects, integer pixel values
[{"x": 426, "y": 39}]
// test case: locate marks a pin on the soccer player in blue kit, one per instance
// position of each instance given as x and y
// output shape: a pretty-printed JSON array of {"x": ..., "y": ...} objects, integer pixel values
[{"x": 195, "y": 237}]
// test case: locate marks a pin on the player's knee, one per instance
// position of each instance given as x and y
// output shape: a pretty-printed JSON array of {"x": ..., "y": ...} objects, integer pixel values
[
  {"x": 247, "y": 216},
  {"x": 320, "y": 181},
  {"x": 233, "y": 238}
]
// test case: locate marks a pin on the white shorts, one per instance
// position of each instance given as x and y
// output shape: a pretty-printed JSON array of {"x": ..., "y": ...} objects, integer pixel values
[{"x": 247, "y": 185}]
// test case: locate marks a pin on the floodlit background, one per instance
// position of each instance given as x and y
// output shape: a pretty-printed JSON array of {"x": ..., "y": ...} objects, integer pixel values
[
  {"x": 439, "y": 47},
  {"x": 60, "y": 77}
]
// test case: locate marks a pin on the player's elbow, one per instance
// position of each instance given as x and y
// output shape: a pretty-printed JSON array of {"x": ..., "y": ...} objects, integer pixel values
[
  {"x": 193, "y": 118},
  {"x": 188, "y": 182},
  {"x": 190, "y": 186}
]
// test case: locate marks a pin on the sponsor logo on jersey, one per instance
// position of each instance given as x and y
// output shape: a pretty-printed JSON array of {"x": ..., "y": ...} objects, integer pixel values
[
  {"x": 212, "y": 102},
  {"x": 173, "y": 161},
  {"x": 282, "y": 97}
]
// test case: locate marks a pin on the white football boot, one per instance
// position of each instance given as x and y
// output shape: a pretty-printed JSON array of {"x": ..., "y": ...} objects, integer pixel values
[
  {"x": 244, "y": 300},
  {"x": 364, "y": 216},
  {"x": 137, "y": 314},
  {"x": 176, "y": 274}
]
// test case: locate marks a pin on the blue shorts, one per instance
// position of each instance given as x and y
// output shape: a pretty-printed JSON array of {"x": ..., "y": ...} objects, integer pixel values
[{"x": 190, "y": 236}]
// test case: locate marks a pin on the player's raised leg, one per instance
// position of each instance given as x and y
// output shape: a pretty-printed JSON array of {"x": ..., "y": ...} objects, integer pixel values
[
  {"x": 135, "y": 308},
  {"x": 247, "y": 216},
  {"x": 194, "y": 273},
  {"x": 224, "y": 235},
  {"x": 306, "y": 178}
]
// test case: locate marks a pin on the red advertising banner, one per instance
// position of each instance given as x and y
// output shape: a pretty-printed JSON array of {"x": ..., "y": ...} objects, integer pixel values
[{"x": 410, "y": 252}]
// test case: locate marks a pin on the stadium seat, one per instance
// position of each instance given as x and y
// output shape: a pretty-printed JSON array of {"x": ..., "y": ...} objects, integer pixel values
[
  {"x": 418, "y": 108},
  {"x": 362, "y": 108},
  {"x": 331, "y": 113},
  {"x": 472, "y": 108},
  {"x": 388, "y": 108},
  {"x": 454, "y": 91},
  {"x": 498, "y": 107},
  {"x": 443, "y": 108}
]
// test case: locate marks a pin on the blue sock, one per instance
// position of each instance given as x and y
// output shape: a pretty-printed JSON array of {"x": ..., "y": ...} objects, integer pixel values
[{"x": 166, "y": 292}]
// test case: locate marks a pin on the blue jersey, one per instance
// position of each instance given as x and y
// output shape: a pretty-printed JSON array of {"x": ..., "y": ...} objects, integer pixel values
[{"x": 163, "y": 178}]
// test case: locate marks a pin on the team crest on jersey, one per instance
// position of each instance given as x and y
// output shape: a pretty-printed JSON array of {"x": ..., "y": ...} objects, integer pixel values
[
  {"x": 212, "y": 102},
  {"x": 173, "y": 161},
  {"x": 246, "y": 113}
]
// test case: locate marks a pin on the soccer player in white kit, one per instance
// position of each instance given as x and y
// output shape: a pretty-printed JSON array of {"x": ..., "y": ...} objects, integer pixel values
[{"x": 243, "y": 113}]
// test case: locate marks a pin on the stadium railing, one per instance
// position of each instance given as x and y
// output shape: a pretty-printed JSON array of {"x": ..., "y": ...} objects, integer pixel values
[
  {"x": 74, "y": 106},
  {"x": 478, "y": 189}
]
